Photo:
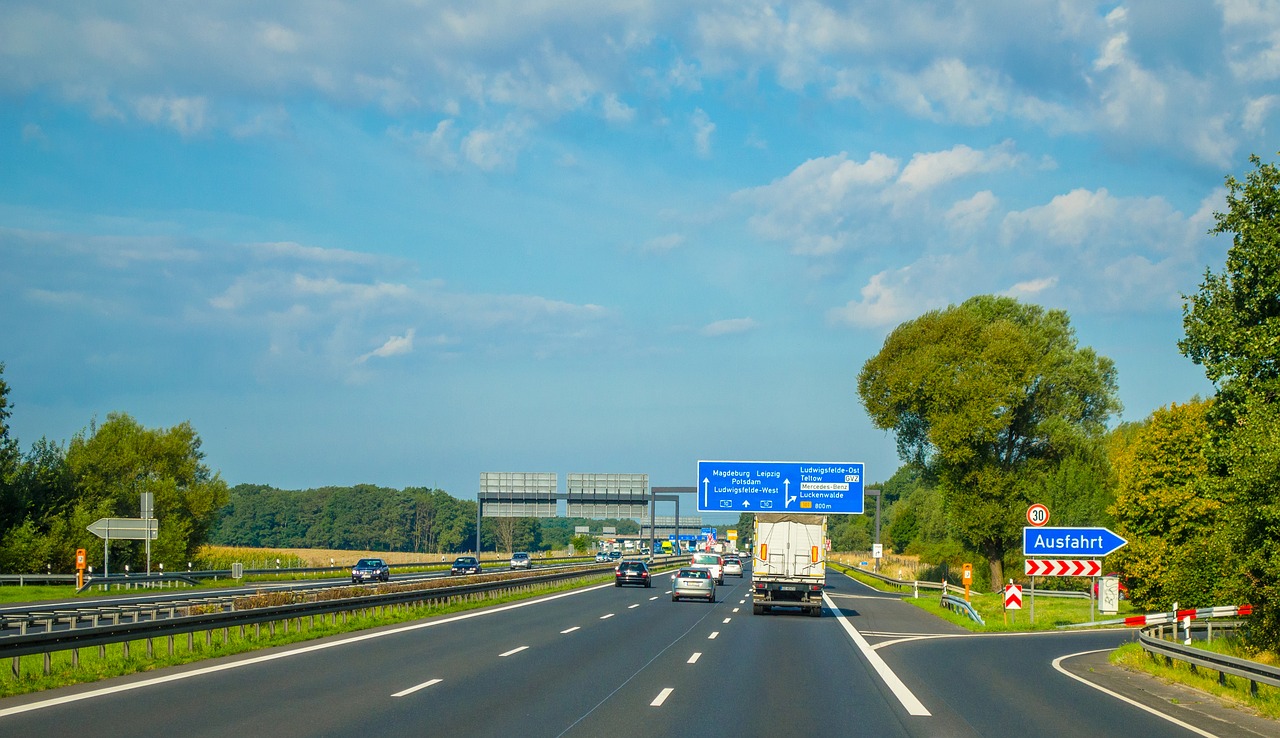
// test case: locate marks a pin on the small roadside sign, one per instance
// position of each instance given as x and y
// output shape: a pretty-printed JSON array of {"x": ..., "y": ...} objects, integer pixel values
[
  {"x": 1013, "y": 597},
  {"x": 877, "y": 550},
  {"x": 1037, "y": 515}
]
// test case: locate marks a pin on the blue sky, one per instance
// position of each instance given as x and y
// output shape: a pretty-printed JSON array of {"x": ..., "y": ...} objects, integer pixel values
[{"x": 405, "y": 243}]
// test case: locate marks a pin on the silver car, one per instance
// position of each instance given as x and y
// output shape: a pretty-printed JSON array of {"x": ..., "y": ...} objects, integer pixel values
[
  {"x": 693, "y": 582},
  {"x": 732, "y": 566}
]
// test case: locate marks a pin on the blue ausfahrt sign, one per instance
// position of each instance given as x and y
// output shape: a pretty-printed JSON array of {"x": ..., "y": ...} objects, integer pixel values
[
  {"x": 828, "y": 488},
  {"x": 1069, "y": 541}
]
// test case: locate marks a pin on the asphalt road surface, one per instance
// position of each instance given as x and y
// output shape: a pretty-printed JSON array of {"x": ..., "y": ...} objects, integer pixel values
[{"x": 605, "y": 661}]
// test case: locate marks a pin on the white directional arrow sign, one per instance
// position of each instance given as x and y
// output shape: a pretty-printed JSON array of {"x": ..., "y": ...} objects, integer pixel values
[
  {"x": 1063, "y": 567},
  {"x": 126, "y": 529}
]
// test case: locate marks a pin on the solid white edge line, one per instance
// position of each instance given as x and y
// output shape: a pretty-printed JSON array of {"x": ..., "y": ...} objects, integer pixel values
[
  {"x": 411, "y": 690},
  {"x": 662, "y": 697},
  {"x": 1057, "y": 664},
  {"x": 912, "y": 705},
  {"x": 694, "y": 658},
  {"x": 104, "y": 691},
  {"x": 512, "y": 651}
]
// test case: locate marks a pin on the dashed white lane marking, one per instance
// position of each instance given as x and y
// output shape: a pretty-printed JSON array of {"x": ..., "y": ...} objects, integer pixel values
[
  {"x": 735, "y": 609},
  {"x": 694, "y": 658},
  {"x": 632, "y": 607},
  {"x": 514, "y": 650},
  {"x": 606, "y": 617},
  {"x": 662, "y": 697},
  {"x": 411, "y": 690},
  {"x": 891, "y": 680},
  {"x": 728, "y": 619},
  {"x": 713, "y": 635},
  {"x": 651, "y": 599},
  {"x": 1057, "y": 664},
  {"x": 570, "y": 630}
]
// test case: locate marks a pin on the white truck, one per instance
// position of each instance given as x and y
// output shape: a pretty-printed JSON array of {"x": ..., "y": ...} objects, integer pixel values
[{"x": 789, "y": 562}]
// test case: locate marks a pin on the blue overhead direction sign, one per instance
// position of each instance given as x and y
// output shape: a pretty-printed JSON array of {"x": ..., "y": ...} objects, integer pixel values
[
  {"x": 1070, "y": 541},
  {"x": 780, "y": 486}
]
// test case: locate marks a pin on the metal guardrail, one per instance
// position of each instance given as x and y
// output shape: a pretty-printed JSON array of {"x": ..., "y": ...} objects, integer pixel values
[
  {"x": 1199, "y": 658},
  {"x": 24, "y": 579},
  {"x": 51, "y": 641},
  {"x": 959, "y": 604},
  {"x": 944, "y": 586}
]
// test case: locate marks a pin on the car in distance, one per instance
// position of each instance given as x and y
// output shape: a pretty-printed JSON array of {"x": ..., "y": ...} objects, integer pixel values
[
  {"x": 732, "y": 566},
  {"x": 602, "y": 557},
  {"x": 465, "y": 565},
  {"x": 694, "y": 582},
  {"x": 712, "y": 563},
  {"x": 615, "y": 555},
  {"x": 520, "y": 560},
  {"x": 632, "y": 572},
  {"x": 370, "y": 570}
]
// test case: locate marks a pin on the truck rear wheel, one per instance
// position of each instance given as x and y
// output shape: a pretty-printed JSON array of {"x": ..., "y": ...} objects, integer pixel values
[{"x": 757, "y": 609}]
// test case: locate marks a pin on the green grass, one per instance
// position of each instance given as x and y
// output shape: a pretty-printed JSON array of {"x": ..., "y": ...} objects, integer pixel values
[
  {"x": 1236, "y": 689},
  {"x": 1051, "y": 612},
  {"x": 119, "y": 659}
]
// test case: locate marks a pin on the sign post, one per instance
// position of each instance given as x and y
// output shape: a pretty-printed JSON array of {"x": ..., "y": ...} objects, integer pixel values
[
  {"x": 1012, "y": 598},
  {"x": 81, "y": 561},
  {"x": 129, "y": 529}
]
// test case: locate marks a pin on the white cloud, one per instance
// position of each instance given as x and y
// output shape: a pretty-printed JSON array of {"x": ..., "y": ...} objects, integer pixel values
[
  {"x": 729, "y": 326},
  {"x": 616, "y": 111},
  {"x": 702, "y": 130},
  {"x": 186, "y": 115},
  {"x": 972, "y": 213},
  {"x": 395, "y": 346},
  {"x": 1031, "y": 288},
  {"x": 929, "y": 170},
  {"x": 893, "y": 296},
  {"x": 662, "y": 244}
]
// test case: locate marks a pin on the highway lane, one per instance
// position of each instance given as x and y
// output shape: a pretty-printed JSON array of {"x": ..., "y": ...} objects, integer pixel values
[{"x": 608, "y": 661}]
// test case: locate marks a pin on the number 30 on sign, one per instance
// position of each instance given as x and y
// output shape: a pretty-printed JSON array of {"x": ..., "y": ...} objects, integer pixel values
[{"x": 1037, "y": 515}]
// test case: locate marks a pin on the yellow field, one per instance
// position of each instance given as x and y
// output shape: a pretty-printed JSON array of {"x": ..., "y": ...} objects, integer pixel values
[{"x": 222, "y": 557}]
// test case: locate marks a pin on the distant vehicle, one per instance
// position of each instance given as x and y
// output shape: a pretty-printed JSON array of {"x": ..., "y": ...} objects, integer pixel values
[
  {"x": 368, "y": 570},
  {"x": 693, "y": 582},
  {"x": 615, "y": 555},
  {"x": 602, "y": 557},
  {"x": 520, "y": 560},
  {"x": 732, "y": 565},
  {"x": 712, "y": 563},
  {"x": 632, "y": 572},
  {"x": 465, "y": 565}
]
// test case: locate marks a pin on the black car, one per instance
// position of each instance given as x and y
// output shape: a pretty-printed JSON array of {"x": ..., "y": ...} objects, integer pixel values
[
  {"x": 465, "y": 565},
  {"x": 369, "y": 570},
  {"x": 632, "y": 572}
]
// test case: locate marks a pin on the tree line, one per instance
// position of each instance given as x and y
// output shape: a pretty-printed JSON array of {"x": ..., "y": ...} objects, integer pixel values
[
  {"x": 995, "y": 405},
  {"x": 371, "y": 518}
]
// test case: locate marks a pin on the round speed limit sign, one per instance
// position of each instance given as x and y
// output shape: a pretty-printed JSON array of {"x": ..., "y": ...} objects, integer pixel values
[{"x": 1037, "y": 515}]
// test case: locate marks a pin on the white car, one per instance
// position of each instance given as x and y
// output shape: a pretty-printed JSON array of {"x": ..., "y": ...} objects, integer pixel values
[
  {"x": 603, "y": 556},
  {"x": 520, "y": 560},
  {"x": 712, "y": 562},
  {"x": 732, "y": 566}
]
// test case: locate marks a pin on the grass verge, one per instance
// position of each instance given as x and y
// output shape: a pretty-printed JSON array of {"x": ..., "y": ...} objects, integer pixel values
[{"x": 1235, "y": 690}]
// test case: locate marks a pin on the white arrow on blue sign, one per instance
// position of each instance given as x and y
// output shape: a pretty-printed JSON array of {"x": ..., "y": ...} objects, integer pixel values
[
  {"x": 780, "y": 486},
  {"x": 1070, "y": 541}
]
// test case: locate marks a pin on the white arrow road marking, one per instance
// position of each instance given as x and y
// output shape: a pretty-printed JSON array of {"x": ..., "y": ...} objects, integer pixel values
[
  {"x": 514, "y": 650},
  {"x": 411, "y": 690},
  {"x": 891, "y": 680},
  {"x": 694, "y": 658},
  {"x": 662, "y": 697}
]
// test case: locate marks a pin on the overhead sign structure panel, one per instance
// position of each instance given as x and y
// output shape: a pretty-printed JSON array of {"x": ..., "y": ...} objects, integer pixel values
[
  {"x": 518, "y": 494},
  {"x": 607, "y": 496},
  {"x": 1070, "y": 541},
  {"x": 829, "y": 488}
]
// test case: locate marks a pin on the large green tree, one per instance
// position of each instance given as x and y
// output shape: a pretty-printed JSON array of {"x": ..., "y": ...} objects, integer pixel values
[
  {"x": 991, "y": 395},
  {"x": 1232, "y": 327}
]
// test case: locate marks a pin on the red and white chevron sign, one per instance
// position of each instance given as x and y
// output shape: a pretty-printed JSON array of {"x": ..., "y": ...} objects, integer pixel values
[
  {"x": 1063, "y": 567},
  {"x": 1013, "y": 597}
]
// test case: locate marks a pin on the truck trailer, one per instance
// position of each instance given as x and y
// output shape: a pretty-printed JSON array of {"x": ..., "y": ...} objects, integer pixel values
[{"x": 789, "y": 562}]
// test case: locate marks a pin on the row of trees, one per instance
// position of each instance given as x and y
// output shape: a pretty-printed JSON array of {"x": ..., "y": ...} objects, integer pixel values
[
  {"x": 994, "y": 406},
  {"x": 366, "y": 517},
  {"x": 52, "y": 493}
]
